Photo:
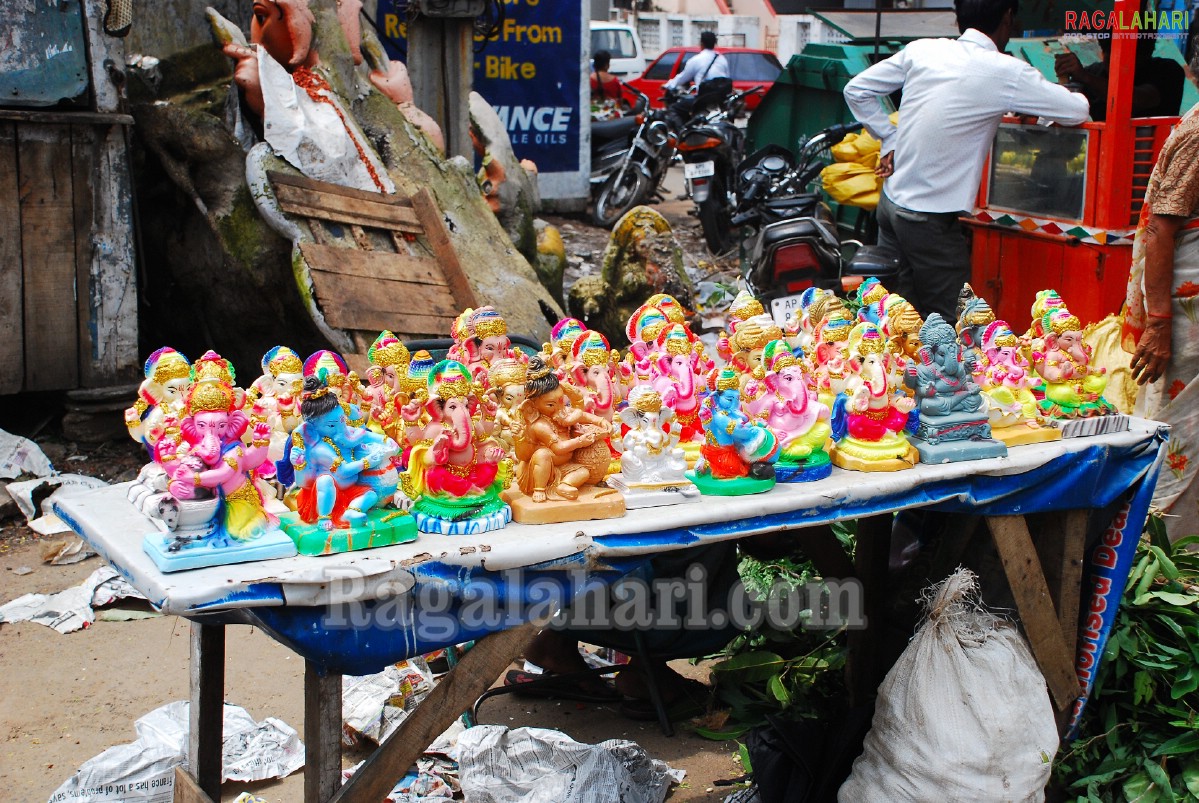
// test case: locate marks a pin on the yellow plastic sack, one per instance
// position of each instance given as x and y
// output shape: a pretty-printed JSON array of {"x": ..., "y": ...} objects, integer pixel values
[
  {"x": 852, "y": 183},
  {"x": 856, "y": 147}
]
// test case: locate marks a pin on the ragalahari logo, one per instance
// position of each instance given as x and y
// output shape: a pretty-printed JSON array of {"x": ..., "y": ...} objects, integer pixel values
[{"x": 1136, "y": 22}]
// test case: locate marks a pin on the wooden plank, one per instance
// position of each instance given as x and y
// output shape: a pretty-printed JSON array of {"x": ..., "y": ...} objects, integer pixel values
[
  {"x": 12, "y": 302},
  {"x": 439, "y": 240},
  {"x": 345, "y": 314},
  {"x": 67, "y": 118},
  {"x": 1060, "y": 541},
  {"x": 187, "y": 790},
  {"x": 83, "y": 171},
  {"x": 440, "y": 54},
  {"x": 384, "y": 295},
  {"x": 376, "y": 266},
  {"x": 322, "y": 734},
  {"x": 477, "y": 670},
  {"x": 1031, "y": 592},
  {"x": 317, "y": 208},
  {"x": 293, "y": 180},
  {"x": 864, "y": 669},
  {"x": 48, "y": 257},
  {"x": 319, "y": 233},
  {"x": 105, "y": 58},
  {"x": 207, "y": 710},
  {"x": 360, "y": 237},
  {"x": 111, "y": 289}
]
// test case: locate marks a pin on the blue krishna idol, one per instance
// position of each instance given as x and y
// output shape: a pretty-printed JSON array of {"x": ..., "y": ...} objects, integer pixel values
[
  {"x": 738, "y": 454},
  {"x": 345, "y": 476}
]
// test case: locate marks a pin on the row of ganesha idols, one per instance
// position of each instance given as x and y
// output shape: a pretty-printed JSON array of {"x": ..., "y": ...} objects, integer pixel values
[{"x": 311, "y": 459}]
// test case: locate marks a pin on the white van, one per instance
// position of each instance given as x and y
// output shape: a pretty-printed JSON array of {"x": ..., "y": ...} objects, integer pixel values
[{"x": 621, "y": 40}]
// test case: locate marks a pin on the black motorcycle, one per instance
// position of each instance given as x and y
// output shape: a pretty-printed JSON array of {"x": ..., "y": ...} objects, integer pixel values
[
  {"x": 795, "y": 245},
  {"x": 610, "y": 142},
  {"x": 712, "y": 145},
  {"x": 636, "y": 172}
]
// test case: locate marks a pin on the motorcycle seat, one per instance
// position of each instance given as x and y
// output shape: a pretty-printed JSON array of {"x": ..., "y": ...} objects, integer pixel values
[
  {"x": 618, "y": 128},
  {"x": 804, "y": 201}
]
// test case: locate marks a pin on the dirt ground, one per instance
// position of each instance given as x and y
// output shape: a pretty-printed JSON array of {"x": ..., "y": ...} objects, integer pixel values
[{"x": 66, "y": 698}]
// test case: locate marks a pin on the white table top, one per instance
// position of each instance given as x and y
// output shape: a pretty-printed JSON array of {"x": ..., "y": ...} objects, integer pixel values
[{"x": 116, "y": 528}]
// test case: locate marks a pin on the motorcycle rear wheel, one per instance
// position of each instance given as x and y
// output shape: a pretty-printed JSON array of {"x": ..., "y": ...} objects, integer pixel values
[
  {"x": 714, "y": 218},
  {"x": 613, "y": 201}
]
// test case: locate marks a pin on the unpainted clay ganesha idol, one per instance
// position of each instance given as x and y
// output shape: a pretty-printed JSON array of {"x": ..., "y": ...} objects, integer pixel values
[{"x": 562, "y": 456}]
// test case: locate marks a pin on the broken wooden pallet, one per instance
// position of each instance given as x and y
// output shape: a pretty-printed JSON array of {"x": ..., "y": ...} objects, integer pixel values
[{"x": 376, "y": 261}]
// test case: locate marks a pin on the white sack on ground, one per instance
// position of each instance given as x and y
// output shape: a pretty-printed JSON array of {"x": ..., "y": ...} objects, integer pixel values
[
  {"x": 536, "y": 765},
  {"x": 964, "y": 714}
]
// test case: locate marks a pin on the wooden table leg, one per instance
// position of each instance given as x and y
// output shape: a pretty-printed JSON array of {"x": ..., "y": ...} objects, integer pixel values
[
  {"x": 477, "y": 670},
  {"x": 322, "y": 735},
  {"x": 871, "y": 558},
  {"x": 206, "y": 712},
  {"x": 1022, "y": 566},
  {"x": 1061, "y": 543}
]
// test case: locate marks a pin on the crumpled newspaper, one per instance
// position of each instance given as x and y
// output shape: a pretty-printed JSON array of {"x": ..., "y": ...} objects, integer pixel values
[
  {"x": 73, "y": 608},
  {"x": 434, "y": 779},
  {"x": 40, "y": 516},
  {"x": 144, "y": 771},
  {"x": 372, "y": 706},
  {"x": 22, "y": 456},
  {"x": 536, "y": 765}
]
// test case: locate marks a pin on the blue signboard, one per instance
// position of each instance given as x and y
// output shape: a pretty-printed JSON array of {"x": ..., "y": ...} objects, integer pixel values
[{"x": 531, "y": 70}]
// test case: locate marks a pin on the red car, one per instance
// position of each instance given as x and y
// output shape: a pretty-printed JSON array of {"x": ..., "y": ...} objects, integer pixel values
[{"x": 747, "y": 67}]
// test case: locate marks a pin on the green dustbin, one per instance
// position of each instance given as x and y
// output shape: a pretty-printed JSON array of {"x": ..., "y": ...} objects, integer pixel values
[
  {"x": 806, "y": 98},
  {"x": 807, "y": 95}
]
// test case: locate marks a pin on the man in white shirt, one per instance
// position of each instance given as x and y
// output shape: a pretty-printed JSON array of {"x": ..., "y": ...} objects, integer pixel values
[
  {"x": 709, "y": 71},
  {"x": 955, "y": 92}
]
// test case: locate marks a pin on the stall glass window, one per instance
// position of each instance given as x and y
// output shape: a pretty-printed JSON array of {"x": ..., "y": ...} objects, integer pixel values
[{"x": 1039, "y": 171}]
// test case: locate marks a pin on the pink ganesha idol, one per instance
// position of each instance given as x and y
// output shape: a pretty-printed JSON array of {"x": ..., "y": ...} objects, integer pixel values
[
  {"x": 222, "y": 516},
  {"x": 1074, "y": 385},
  {"x": 558, "y": 352},
  {"x": 480, "y": 338},
  {"x": 871, "y": 421},
  {"x": 1006, "y": 380},
  {"x": 160, "y": 398},
  {"x": 456, "y": 476},
  {"x": 784, "y": 401}
]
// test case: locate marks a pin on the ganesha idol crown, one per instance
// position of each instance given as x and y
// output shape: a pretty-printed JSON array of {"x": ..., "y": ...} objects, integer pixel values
[
  {"x": 591, "y": 348},
  {"x": 645, "y": 399},
  {"x": 213, "y": 366},
  {"x": 450, "y": 379},
  {"x": 281, "y": 360},
  {"x": 479, "y": 323},
  {"x": 210, "y": 396},
  {"x": 507, "y": 372},
  {"x": 166, "y": 364},
  {"x": 387, "y": 350}
]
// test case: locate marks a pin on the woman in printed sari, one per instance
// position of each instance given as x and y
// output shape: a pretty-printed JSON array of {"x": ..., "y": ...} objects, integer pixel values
[{"x": 1161, "y": 313}]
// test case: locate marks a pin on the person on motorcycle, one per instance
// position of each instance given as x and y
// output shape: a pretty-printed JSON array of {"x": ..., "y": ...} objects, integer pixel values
[
  {"x": 606, "y": 88},
  {"x": 709, "y": 71}
]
